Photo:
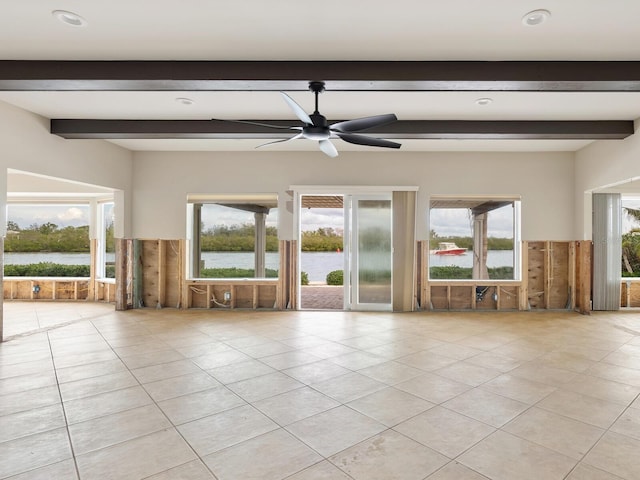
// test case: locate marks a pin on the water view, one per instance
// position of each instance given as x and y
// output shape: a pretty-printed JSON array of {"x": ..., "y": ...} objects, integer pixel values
[{"x": 316, "y": 264}]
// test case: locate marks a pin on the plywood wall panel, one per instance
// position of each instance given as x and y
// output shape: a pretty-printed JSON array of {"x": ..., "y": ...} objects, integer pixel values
[
  {"x": 461, "y": 297},
  {"x": 47, "y": 290},
  {"x": 150, "y": 273},
  {"x": 243, "y": 296},
  {"x": 172, "y": 273},
  {"x": 508, "y": 298},
  {"x": 486, "y": 301},
  {"x": 267, "y": 295},
  {"x": 558, "y": 286},
  {"x": 439, "y": 297},
  {"x": 65, "y": 290},
  {"x": 198, "y": 297},
  {"x": 535, "y": 271}
]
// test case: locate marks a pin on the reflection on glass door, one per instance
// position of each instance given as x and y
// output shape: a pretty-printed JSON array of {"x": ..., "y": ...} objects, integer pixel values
[{"x": 370, "y": 253}]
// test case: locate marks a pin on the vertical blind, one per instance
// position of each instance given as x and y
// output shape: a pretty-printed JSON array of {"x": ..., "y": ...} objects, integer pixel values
[
  {"x": 404, "y": 246},
  {"x": 607, "y": 250}
]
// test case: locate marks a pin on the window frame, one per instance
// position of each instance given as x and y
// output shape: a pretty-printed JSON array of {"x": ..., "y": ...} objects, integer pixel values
[
  {"x": 195, "y": 204},
  {"x": 35, "y": 201},
  {"x": 101, "y": 239},
  {"x": 516, "y": 202}
]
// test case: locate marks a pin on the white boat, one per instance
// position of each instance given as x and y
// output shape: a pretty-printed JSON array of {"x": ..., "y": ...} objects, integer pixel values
[{"x": 448, "y": 248}]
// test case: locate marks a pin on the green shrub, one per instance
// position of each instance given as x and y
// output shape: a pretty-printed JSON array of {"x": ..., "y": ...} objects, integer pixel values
[
  {"x": 453, "y": 272},
  {"x": 335, "y": 278},
  {"x": 234, "y": 272},
  {"x": 501, "y": 273},
  {"x": 630, "y": 274},
  {"x": 110, "y": 271},
  {"x": 304, "y": 278},
  {"x": 46, "y": 269}
]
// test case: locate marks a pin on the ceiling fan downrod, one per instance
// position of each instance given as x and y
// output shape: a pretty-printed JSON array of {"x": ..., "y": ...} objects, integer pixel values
[{"x": 316, "y": 88}]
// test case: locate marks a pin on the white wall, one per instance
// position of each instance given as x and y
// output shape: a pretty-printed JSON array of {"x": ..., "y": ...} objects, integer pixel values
[
  {"x": 162, "y": 181},
  {"x": 27, "y": 145},
  {"x": 606, "y": 163}
]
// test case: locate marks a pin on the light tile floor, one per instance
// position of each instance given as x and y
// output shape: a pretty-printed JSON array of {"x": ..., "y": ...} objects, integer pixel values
[
  {"x": 167, "y": 394},
  {"x": 29, "y": 317}
]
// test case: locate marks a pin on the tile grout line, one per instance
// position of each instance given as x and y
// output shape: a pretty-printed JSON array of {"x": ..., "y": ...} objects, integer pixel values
[
  {"x": 51, "y": 327},
  {"x": 249, "y": 403},
  {"x": 160, "y": 410},
  {"x": 64, "y": 411},
  {"x": 607, "y": 430}
]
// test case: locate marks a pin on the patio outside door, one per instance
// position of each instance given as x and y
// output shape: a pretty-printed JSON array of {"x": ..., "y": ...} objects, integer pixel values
[{"x": 368, "y": 252}]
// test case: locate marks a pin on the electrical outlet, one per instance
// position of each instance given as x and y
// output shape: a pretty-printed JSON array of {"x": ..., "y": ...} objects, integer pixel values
[{"x": 227, "y": 296}]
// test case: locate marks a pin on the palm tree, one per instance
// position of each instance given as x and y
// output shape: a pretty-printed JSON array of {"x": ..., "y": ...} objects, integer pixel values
[{"x": 631, "y": 243}]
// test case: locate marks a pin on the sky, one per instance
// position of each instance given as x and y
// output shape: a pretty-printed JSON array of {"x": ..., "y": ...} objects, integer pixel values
[
  {"x": 446, "y": 222},
  {"x": 311, "y": 219},
  {"x": 453, "y": 222},
  {"x": 456, "y": 222},
  {"x": 628, "y": 223},
  {"x": 213, "y": 215},
  {"x": 60, "y": 215}
]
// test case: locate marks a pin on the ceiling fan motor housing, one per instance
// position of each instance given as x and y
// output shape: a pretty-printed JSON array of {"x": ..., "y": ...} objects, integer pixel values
[{"x": 319, "y": 130}]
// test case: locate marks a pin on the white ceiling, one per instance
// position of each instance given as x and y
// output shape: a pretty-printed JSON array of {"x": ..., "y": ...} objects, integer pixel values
[
  {"x": 328, "y": 30},
  {"x": 24, "y": 186}
]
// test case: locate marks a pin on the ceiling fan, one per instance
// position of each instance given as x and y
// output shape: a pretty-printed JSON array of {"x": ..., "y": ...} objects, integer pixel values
[{"x": 316, "y": 126}]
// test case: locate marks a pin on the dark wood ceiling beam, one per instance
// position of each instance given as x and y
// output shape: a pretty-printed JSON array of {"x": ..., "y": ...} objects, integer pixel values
[
  {"x": 557, "y": 76},
  {"x": 403, "y": 129}
]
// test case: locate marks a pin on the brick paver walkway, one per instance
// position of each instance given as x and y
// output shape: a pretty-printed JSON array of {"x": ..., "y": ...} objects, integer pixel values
[{"x": 321, "y": 297}]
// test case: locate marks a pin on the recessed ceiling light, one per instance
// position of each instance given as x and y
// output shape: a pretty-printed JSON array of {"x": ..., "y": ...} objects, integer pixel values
[
  {"x": 185, "y": 101},
  {"x": 484, "y": 101},
  {"x": 536, "y": 17},
  {"x": 69, "y": 18}
]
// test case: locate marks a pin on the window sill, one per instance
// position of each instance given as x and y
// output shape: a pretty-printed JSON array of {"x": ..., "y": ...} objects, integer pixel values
[{"x": 479, "y": 281}]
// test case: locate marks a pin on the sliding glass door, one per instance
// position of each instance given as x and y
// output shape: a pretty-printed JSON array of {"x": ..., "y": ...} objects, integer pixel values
[{"x": 368, "y": 262}]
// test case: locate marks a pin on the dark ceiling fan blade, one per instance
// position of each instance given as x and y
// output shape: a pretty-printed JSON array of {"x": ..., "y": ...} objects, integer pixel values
[
  {"x": 297, "y": 109},
  {"x": 366, "y": 140},
  {"x": 363, "y": 123},
  {"x": 280, "y": 141},
  {"x": 328, "y": 148},
  {"x": 248, "y": 122}
]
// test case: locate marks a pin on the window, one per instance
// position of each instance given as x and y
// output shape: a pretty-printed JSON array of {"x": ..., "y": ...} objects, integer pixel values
[
  {"x": 474, "y": 238},
  {"x": 235, "y": 237},
  {"x": 106, "y": 241},
  {"x": 630, "y": 236},
  {"x": 47, "y": 240}
]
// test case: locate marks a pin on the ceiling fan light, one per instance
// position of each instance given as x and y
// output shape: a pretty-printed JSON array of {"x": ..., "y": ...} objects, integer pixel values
[
  {"x": 536, "y": 17},
  {"x": 69, "y": 18}
]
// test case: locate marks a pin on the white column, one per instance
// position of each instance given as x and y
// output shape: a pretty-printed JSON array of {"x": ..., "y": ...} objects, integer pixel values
[
  {"x": 607, "y": 250},
  {"x": 260, "y": 244},
  {"x": 480, "y": 246}
]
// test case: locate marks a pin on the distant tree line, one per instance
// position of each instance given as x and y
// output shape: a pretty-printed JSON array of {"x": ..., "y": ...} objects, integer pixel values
[
  {"x": 47, "y": 237},
  {"x": 321, "y": 240},
  {"x": 493, "y": 243},
  {"x": 235, "y": 238},
  {"x": 241, "y": 238}
]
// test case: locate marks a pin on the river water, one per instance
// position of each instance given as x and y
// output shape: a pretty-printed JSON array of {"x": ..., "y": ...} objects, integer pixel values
[{"x": 316, "y": 264}]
